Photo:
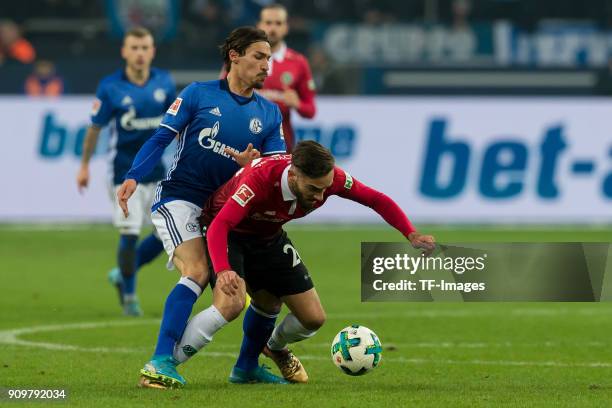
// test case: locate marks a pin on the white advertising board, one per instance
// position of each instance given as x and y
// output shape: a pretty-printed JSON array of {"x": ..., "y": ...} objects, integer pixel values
[{"x": 444, "y": 160}]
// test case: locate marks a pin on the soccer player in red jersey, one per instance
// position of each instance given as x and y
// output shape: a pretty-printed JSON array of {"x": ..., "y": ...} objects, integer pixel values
[
  {"x": 247, "y": 244},
  {"x": 289, "y": 82}
]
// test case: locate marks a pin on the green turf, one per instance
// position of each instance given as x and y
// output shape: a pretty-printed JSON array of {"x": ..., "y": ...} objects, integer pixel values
[{"x": 435, "y": 354}]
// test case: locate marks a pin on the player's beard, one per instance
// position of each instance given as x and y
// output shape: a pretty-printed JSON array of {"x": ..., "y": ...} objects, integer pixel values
[
  {"x": 305, "y": 204},
  {"x": 259, "y": 82}
]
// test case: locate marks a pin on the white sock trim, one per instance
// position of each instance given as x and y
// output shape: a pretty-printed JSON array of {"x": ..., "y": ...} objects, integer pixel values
[
  {"x": 262, "y": 313},
  {"x": 195, "y": 288},
  {"x": 198, "y": 333},
  {"x": 290, "y": 330}
]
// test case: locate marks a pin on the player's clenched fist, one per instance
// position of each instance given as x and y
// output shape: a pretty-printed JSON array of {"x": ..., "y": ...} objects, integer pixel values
[
  {"x": 425, "y": 242},
  {"x": 228, "y": 282},
  {"x": 124, "y": 193}
]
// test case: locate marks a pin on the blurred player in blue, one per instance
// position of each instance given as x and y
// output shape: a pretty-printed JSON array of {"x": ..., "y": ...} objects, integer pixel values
[
  {"x": 133, "y": 100},
  {"x": 214, "y": 121}
]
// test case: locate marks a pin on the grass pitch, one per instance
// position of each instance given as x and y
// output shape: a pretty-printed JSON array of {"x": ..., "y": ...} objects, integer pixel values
[{"x": 60, "y": 327}]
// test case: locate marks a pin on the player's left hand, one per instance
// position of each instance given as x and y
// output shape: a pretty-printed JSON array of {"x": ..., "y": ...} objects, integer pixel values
[
  {"x": 83, "y": 178},
  {"x": 124, "y": 193},
  {"x": 291, "y": 98},
  {"x": 228, "y": 282},
  {"x": 425, "y": 242},
  {"x": 246, "y": 156}
]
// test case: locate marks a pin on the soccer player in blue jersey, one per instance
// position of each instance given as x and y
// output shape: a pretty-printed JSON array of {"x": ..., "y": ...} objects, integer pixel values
[
  {"x": 215, "y": 121},
  {"x": 133, "y": 100}
]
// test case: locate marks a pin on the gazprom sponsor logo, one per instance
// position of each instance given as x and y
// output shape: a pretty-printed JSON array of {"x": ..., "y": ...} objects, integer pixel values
[
  {"x": 207, "y": 140},
  {"x": 129, "y": 121}
]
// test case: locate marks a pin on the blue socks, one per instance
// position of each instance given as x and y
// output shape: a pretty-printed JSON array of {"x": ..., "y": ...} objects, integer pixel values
[
  {"x": 257, "y": 327},
  {"x": 176, "y": 314},
  {"x": 126, "y": 259},
  {"x": 130, "y": 258},
  {"x": 148, "y": 249}
]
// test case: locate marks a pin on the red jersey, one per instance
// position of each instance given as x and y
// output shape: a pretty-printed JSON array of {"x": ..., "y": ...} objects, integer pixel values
[
  {"x": 289, "y": 69},
  {"x": 257, "y": 201}
]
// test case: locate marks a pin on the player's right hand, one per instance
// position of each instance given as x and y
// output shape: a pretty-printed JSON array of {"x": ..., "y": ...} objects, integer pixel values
[
  {"x": 124, "y": 193},
  {"x": 82, "y": 178},
  {"x": 244, "y": 157},
  {"x": 425, "y": 242},
  {"x": 228, "y": 282}
]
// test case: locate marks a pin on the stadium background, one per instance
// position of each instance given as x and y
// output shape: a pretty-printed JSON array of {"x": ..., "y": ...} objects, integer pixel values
[{"x": 488, "y": 121}]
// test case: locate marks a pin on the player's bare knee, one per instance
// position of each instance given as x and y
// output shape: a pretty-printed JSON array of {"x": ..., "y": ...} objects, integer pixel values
[
  {"x": 198, "y": 271},
  {"x": 235, "y": 307},
  {"x": 238, "y": 303},
  {"x": 314, "y": 322},
  {"x": 268, "y": 307},
  {"x": 229, "y": 306}
]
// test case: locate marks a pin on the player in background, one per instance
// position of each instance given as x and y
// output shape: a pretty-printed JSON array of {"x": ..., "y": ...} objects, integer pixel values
[
  {"x": 289, "y": 83},
  {"x": 133, "y": 100},
  {"x": 214, "y": 120},
  {"x": 248, "y": 247}
]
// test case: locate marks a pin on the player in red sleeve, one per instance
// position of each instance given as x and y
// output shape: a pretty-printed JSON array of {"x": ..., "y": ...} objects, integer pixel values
[
  {"x": 248, "y": 247},
  {"x": 289, "y": 82}
]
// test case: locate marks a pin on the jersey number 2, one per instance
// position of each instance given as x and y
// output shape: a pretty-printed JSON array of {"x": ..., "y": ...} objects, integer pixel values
[{"x": 296, "y": 256}]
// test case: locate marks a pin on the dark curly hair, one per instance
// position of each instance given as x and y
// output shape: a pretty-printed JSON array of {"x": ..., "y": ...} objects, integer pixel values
[
  {"x": 312, "y": 159},
  {"x": 239, "y": 40}
]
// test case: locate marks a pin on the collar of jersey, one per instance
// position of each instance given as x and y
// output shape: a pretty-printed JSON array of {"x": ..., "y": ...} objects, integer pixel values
[
  {"x": 287, "y": 193},
  {"x": 242, "y": 100},
  {"x": 125, "y": 77},
  {"x": 279, "y": 55}
]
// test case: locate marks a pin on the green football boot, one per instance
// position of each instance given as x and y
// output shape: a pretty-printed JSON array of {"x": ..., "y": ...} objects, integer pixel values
[
  {"x": 259, "y": 375},
  {"x": 131, "y": 307},
  {"x": 161, "y": 372}
]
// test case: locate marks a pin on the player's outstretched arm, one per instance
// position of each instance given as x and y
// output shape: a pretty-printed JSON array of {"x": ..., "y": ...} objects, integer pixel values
[
  {"x": 147, "y": 157},
  {"x": 389, "y": 211},
  {"x": 89, "y": 146},
  {"x": 150, "y": 153}
]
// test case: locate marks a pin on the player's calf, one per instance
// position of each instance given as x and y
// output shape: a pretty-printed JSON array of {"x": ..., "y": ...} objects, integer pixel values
[
  {"x": 230, "y": 306},
  {"x": 290, "y": 330}
]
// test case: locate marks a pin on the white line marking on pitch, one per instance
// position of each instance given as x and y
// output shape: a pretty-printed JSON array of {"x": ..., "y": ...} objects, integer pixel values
[{"x": 11, "y": 337}]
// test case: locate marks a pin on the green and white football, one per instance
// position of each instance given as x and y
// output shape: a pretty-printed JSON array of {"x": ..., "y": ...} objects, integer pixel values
[{"x": 356, "y": 350}]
